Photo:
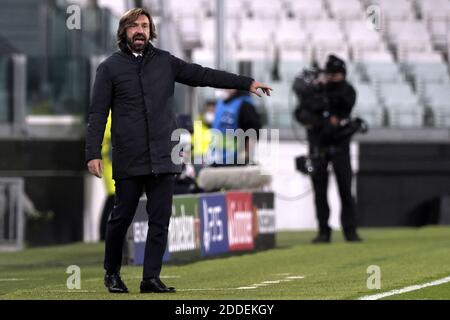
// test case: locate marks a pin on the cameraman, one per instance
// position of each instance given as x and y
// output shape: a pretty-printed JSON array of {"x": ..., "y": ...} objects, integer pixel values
[{"x": 324, "y": 108}]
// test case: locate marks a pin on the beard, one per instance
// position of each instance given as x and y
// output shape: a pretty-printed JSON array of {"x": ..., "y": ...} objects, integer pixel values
[{"x": 137, "y": 43}]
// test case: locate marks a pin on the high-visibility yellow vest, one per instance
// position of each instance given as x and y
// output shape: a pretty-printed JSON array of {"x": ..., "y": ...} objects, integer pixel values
[
  {"x": 107, "y": 159},
  {"x": 201, "y": 138}
]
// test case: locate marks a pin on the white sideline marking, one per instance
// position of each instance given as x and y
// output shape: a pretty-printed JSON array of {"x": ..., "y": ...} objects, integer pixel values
[
  {"x": 406, "y": 289},
  {"x": 56, "y": 291},
  {"x": 250, "y": 287},
  {"x": 12, "y": 279},
  {"x": 207, "y": 289},
  {"x": 161, "y": 277},
  {"x": 72, "y": 291}
]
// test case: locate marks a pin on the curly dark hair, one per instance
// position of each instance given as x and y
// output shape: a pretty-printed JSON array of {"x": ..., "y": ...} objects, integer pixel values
[{"x": 126, "y": 21}]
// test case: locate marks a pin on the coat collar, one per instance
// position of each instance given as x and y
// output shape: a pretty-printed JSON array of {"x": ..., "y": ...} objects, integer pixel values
[{"x": 149, "y": 51}]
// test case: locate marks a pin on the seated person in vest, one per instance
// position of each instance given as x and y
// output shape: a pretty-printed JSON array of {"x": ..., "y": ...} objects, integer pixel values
[
  {"x": 201, "y": 138},
  {"x": 107, "y": 179},
  {"x": 235, "y": 111}
]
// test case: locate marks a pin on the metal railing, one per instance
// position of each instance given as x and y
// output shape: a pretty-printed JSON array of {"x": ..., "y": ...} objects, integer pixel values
[
  {"x": 12, "y": 94},
  {"x": 12, "y": 217}
]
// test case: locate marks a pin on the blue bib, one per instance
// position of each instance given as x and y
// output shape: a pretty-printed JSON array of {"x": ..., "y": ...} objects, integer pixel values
[{"x": 226, "y": 118}]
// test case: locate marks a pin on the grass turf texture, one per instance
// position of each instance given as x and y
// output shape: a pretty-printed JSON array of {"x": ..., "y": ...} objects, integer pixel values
[{"x": 335, "y": 271}]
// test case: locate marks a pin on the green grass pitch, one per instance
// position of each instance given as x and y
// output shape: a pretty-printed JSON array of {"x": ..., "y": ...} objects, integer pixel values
[{"x": 295, "y": 269}]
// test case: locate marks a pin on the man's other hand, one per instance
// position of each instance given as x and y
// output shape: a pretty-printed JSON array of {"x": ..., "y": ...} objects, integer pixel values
[
  {"x": 95, "y": 167},
  {"x": 259, "y": 85}
]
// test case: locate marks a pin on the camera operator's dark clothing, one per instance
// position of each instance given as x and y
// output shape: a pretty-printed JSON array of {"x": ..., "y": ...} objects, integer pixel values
[
  {"x": 318, "y": 103},
  {"x": 313, "y": 104},
  {"x": 315, "y": 110},
  {"x": 341, "y": 98},
  {"x": 343, "y": 172}
]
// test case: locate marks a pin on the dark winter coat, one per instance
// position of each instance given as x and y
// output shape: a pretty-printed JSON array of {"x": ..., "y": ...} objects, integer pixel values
[{"x": 140, "y": 96}]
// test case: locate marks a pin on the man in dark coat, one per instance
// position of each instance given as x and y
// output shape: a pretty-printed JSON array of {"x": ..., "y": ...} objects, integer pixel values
[{"x": 137, "y": 84}]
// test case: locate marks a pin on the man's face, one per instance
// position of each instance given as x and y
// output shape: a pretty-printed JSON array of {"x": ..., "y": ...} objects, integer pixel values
[
  {"x": 138, "y": 34},
  {"x": 335, "y": 77},
  {"x": 209, "y": 114}
]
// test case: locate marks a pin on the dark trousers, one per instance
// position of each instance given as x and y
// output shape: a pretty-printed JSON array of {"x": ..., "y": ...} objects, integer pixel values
[
  {"x": 107, "y": 208},
  {"x": 340, "y": 160},
  {"x": 159, "y": 191}
]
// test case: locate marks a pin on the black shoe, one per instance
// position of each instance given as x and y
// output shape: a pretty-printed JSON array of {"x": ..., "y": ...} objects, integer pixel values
[
  {"x": 352, "y": 236},
  {"x": 115, "y": 284},
  {"x": 324, "y": 236},
  {"x": 155, "y": 285}
]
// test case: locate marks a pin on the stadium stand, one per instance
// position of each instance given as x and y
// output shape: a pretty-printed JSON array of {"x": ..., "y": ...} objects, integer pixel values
[
  {"x": 306, "y": 10},
  {"x": 368, "y": 105},
  {"x": 266, "y": 9},
  {"x": 437, "y": 96},
  {"x": 274, "y": 40},
  {"x": 402, "y": 104},
  {"x": 391, "y": 67},
  {"x": 433, "y": 10},
  {"x": 279, "y": 112},
  {"x": 379, "y": 72},
  {"x": 346, "y": 10}
]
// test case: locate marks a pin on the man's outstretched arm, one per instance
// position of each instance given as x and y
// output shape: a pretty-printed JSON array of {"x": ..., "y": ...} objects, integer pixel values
[{"x": 197, "y": 76}]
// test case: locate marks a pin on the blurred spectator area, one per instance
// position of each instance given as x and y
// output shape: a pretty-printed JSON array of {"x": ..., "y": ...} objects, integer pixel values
[
  {"x": 45, "y": 77},
  {"x": 57, "y": 67},
  {"x": 398, "y": 60},
  {"x": 397, "y": 53}
]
